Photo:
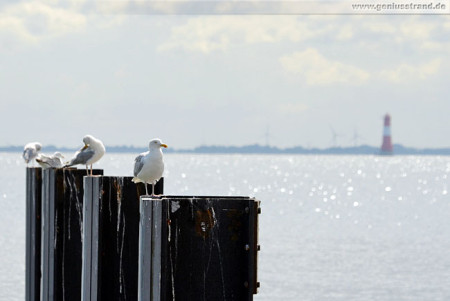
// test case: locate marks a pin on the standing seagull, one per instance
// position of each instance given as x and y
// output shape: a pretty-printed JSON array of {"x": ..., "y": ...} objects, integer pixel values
[
  {"x": 91, "y": 152},
  {"x": 30, "y": 151},
  {"x": 149, "y": 166},
  {"x": 53, "y": 161}
]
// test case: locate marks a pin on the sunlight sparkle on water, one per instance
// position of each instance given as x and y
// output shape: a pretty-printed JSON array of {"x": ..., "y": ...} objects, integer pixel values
[{"x": 322, "y": 217}]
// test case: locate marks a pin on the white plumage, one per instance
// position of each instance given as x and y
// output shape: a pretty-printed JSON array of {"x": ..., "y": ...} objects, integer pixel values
[
  {"x": 91, "y": 152},
  {"x": 53, "y": 161},
  {"x": 149, "y": 166},
  {"x": 30, "y": 151}
]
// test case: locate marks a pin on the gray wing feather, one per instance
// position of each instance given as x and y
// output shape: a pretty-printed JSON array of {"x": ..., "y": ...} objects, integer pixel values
[
  {"x": 26, "y": 155},
  {"x": 81, "y": 157},
  {"x": 138, "y": 164}
]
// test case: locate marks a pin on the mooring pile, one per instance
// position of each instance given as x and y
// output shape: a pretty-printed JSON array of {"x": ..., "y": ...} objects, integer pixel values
[{"x": 101, "y": 238}]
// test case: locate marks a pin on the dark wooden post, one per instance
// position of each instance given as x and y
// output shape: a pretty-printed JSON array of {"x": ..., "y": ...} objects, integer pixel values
[
  {"x": 62, "y": 222},
  {"x": 33, "y": 234},
  {"x": 198, "y": 248},
  {"x": 111, "y": 238}
]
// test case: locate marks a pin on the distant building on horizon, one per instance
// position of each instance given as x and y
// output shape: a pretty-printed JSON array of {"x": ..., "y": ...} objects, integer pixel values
[{"x": 386, "y": 147}]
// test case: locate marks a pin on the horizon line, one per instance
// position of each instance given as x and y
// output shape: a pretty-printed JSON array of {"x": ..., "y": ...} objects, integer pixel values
[{"x": 254, "y": 148}]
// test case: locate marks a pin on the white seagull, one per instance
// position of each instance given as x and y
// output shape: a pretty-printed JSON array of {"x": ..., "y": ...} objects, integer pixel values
[
  {"x": 91, "y": 152},
  {"x": 30, "y": 151},
  {"x": 149, "y": 166},
  {"x": 53, "y": 161}
]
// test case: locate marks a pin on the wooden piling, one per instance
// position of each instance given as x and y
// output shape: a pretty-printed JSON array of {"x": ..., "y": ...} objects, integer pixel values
[
  {"x": 62, "y": 222},
  {"x": 33, "y": 234},
  {"x": 198, "y": 248},
  {"x": 111, "y": 238},
  {"x": 102, "y": 239}
]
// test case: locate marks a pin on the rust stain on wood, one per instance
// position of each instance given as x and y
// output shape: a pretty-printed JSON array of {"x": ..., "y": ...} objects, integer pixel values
[{"x": 204, "y": 222}]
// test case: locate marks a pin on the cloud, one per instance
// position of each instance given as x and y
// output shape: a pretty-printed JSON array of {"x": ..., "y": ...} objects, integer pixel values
[
  {"x": 417, "y": 34},
  {"x": 405, "y": 73},
  {"x": 219, "y": 33},
  {"x": 33, "y": 21},
  {"x": 446, "y": 25},
  {"x": 315, "y": 69},
  {"x": 12, "y": 27},
  {"x": 379, "y": 27},
  {"x": 346, "y": 32},
  {"x": 414, "y": 34},
  {"x": 413, "y": 29}
]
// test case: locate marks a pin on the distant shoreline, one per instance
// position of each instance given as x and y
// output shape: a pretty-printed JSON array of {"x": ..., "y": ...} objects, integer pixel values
[{"x": 258, "y": 149}]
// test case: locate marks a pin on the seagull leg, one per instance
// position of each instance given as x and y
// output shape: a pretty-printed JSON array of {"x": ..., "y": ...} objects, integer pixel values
[
  {"x": 153, "y": 188},
  {"x": 87, "y": 170},
  {"x": 146, "y": 190},
  {"x": 91, "y": 171}
]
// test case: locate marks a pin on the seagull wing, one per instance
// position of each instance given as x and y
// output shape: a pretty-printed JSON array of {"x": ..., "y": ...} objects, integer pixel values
[
  {"x": 27, "y": 155},
  {"x": 53, "y": 162},
  {"x": 43, "y": 162},
  {"x": 81, "y": 157},
  {"x": 138, "y": 164}
]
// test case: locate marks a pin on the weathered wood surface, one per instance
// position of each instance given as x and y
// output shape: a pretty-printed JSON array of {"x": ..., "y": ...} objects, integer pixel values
[
  {"x": 206, "y": 248},
  {"x": 96, "y": 230},
  {"x": 111, "y": 238},
  {"x": 62, "y": 228}
]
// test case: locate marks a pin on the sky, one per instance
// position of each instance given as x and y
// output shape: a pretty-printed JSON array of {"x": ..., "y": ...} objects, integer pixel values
[{"x": 68, "y": 68}]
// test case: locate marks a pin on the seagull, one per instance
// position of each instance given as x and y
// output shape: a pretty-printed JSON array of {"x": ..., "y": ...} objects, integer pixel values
[
  {"x": 91, "y": 152},
  {"x": 53, "y": 161},
  {"x": 149, "y": 166},
  {"x": 30, "y": 151}
]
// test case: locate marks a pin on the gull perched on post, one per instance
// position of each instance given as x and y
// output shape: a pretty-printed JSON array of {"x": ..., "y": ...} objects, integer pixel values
[
  {"x": 53, "y": 161},
  {"x": 149, "y": 166},
  {"x": 30, "y": 151},
  {"x": 91, "y": 152}
]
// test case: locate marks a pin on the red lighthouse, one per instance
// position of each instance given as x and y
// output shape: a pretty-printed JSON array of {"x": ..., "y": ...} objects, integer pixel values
[{"x": 386, "y": 147}]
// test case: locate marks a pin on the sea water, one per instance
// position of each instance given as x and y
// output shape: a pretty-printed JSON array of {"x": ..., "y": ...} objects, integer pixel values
[{"x": 331, "y": 228}]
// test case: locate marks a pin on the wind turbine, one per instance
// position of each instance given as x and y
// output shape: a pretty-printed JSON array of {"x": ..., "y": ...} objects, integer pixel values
[
  {"x": 267, "y": 136},
  {"x": 356, "y": 137},
  {"x": 334, "y": 136}
]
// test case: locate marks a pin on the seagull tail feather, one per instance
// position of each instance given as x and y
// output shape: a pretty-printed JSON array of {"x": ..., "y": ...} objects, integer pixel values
[
  {"x": 136, "y": 180},
  {"x": 68, "y": 164}
]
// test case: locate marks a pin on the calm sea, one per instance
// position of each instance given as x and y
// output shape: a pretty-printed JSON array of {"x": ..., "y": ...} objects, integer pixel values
[{"x": 332, "y": 227}]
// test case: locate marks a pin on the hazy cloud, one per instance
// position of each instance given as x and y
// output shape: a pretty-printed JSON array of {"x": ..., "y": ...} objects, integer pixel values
[
  {"x": 405, "y": 73},
  {"x": 208, "y": 77},
  {"x": 33, "y": 21},
  {"x": 207, "y": 34},
  {"x": 318, "y": 70}
]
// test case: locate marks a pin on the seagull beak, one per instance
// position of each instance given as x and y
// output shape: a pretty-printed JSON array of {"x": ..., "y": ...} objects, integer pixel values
[
  {"x": 84, "y": 147},
  {"x": 164, "y": 145}
]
